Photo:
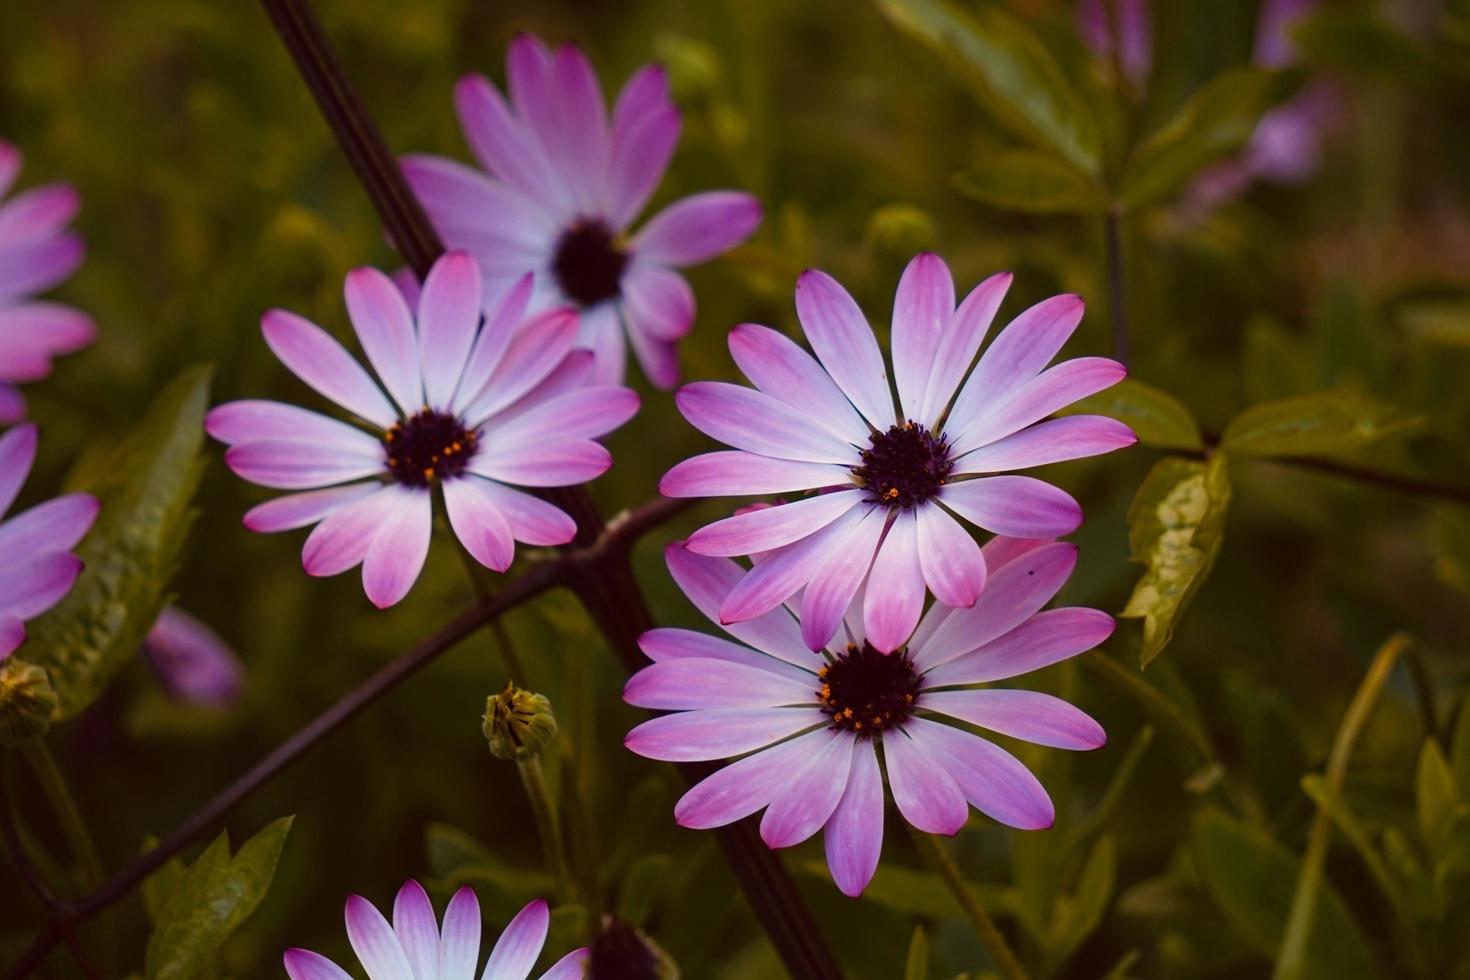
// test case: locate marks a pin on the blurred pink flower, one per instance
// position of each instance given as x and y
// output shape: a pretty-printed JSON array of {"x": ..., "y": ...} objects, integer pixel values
[
  {"x": 807, "y": 725},
  {"x": 36, "y": 253},
  {"x": 563, "y": 187},
  {"x": 474, "y": 411},
  {"x": 1133, "y": 28},
  {"x": 191, "y": 661},
  {"x": 890, "y": 479}
]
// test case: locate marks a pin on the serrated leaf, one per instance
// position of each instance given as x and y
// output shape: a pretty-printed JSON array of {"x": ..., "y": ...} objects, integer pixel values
[
  {"x": 1251, "y": 879},
  {"x": 643, "y": 888},
  {"x": 214, "y": 896},
  {"x": 916, "y": 966},
  {"x": 1175, "y": 528},
  {"x": 1156, "y": 417},
  {"x": 1435, "y": 799},
  {"x": 1031, "y": 182},
  {"x": 1216, "y": 122},
  {"x": 1008, "y": 69},
  {"x": 132, "y": 551},
  {"x": 1327, "y": 423}
]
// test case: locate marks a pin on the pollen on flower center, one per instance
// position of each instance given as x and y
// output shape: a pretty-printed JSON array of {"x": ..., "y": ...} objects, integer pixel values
[
  {"x": 588, "y": 263},
  {"x": 429, "y": 446},
  {"x": 866, "y": 692},
  {"x": 904, "y": 466}
]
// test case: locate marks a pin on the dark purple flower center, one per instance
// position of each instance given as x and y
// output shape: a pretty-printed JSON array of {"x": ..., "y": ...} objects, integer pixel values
[
  {"x": 589, "y": 264},
  {"x": 866, "y": 692},
  {"x": 429, "y": 446},
  {"x": 904, "y": 466}
]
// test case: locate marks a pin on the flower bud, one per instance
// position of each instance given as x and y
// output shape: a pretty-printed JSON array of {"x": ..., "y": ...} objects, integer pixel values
[
  {"x": 622, "y": 951},
  {"x": 27, "y": 702},
  {"x": 518, "y": 723}
]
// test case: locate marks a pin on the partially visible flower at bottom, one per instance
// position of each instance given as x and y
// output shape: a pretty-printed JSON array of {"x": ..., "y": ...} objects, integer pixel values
[
  {"x": 38, "y": 567},
  {"x": 414, "y": 947},
  {"x": 812, "y": 727},
  {"x": 191, "y": 661}
]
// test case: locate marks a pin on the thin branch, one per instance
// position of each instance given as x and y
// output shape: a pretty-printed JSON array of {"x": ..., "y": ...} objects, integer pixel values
[{"x": 1414, "y": 486}]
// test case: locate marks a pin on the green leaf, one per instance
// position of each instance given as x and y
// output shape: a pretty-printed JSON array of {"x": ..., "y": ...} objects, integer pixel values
[
  {"x": 1216, "y": 122},
  {"x": 132, "y": 551},
  {"x": 1251, "y": 879},
  {"x": 1008, "y": 69},
  {"x": 162, "y": 883},
  {"x": 1175, "y": 527},
  {"x": 643, "y": 888},
  {"x": 1078, "y": 915},
  {"x": 1156, "y": 417},
  {"x": 1348, "y": 824},
  {"x": 1460, "y": 749},
  {"x": 1112, "y": 797},
  {"x": 214, "y": 896},
  {"x": 1031, "y": 182},
  {"x": 1327, "y": 423},
  {"x": 916, "y": 967},
  {"x": 1434, "y": 796}
]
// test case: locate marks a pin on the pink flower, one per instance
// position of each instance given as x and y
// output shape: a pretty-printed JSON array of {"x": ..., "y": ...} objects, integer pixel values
[
  {"x": 474, "y": 411},
  {"x": 191, "y": 660},
  {"x": 890, "y": 481},
  {"x": 36, "y": 253},
  {"x": 1133, "y": 28},
  {"x": 415, "y": 948},
  {"x": 812, "y": 723},
  {"x": 38, "y": 567},
  {"x": 563, "y": 188}
]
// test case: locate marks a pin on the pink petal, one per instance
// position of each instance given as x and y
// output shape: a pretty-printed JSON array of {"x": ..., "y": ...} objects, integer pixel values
[
  {"x": 399, "y": 546},
  {"x": 384, "y": 327},
  {"x": 300, "y": 465},
  {"x": 953, "y": 566},
  {"x": 1044, "y": 639},
  {"x": 341, "y": 540},
  {"x": 922, "y": 308},
  {"x": 36, "y": 266},
  {"x": 780, "y": 575},
  {"x": 925, "y": 792},
  {"x": 703, "y": 736},
  {"x": 300, "y": 509},
  {"x": 806, "y": 802},
  {"x": 1001, "y": 550},
  {"x": 507, "y": 233},
  {"x": 499, "y": 142},
  {"x": 12, "y": 405},
  {"x": 707, "y": 581},
  {"x": 658, "y": 302},
  {"x": 690, "y": 683},
  {"x": 1015, "y": 506},
  {"x": 1052, "y": 441},
  {"x": 501, "y": 321},
  {"x": 895, "y": 595},
  {"x": 854, "y": 836},
  {"x": 959, "y": 342},
  {"x": 317, "y": 359},
  {"x": 41, "y": 330},
  {"x": 698, "y": 228},
  {"x": 372, "y": 939},
  {"x": 738, "y": 473},
  {"x": 573, "y": 374},
  {"x": 561, "y": 465},
  {"x": 518, "y": 947},
  {"x": 582, "y": 142},
  {"x": 1027, "y": 715},
  {"x": 33, "y": 584},
  {"x": 459, "y": 942},
  {"x": 449, "y": 315},
  {"x": 254, "y": 420},
  {"x": 602, "y": 334},
  {"x": 12, "y": 634},
  {"x": 38, "y": 212},
  {"x": 572, "y": 966},
  {"x": 778, "y": 366},
  {"x": 671, "y": 643},
  {"x": 416, "y": 929},
  {"x": 10, "y": 163},
  {"x": 193, "y": 663},
  {"x": 844, "y": 343},
  {"x": 751, "y": 420},
  {"x": 640, "y": 155},
  {"x": 303, "y": 964},
  {"x": 589, "y": 413},
  {"x": 773, "y": 527},
  {"x": 992, "y": 780},
  {"x": 541, "y": 344},
  {"x": 1052, "y": 390},
  {"x": 478, "y": 523},
  {"x": 659, "y": 359},
  {"x": 832, "y": 587},
  {"x": 529, "y": 518},
  {"x": 743, "y": 787},
  {"x": 17, "y": 453},
  {"x": 55, "y": 525}
]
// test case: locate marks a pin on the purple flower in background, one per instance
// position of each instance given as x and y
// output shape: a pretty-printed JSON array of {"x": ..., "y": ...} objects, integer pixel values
[
  {"x": 36, "y": 253},
  {"x": 890, "y": 481},
  {"x": 563, "y": 188},
  {"x": 38, "y": 567},
  {"x": 191, "y": 660},
  {"x": 813, "y": 723},
  {"x": 474, "y": 411},
  {"x": 414, "y": 947},
  {"x": 1132, "y": 28}
]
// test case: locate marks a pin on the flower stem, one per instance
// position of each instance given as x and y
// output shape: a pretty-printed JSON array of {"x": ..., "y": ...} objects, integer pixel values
[
  {"x": 938, "y": 858},
  {"x": 1117, "y": 297},
  {"x": 483, "y": 592},
  {"x": 68, "y": 814},
  {"x": 533, "y": 777}
]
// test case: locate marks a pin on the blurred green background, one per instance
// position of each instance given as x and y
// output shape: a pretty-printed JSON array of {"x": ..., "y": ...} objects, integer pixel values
[{"x": 212, "y": 191}]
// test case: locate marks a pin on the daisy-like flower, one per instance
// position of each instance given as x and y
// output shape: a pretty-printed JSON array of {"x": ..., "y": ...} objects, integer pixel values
[
  {"x": 192, "y": 662},
  {"x": 474, "y": 412},
  {"x": 414, "y": 947},
  {"x": 38, "y": 567},
  {"x": 821, "y": 729},
  {"x": 891, "y": 479},
  {"x": 36, "y": 253},
  {"x": 564, "y": 185}
]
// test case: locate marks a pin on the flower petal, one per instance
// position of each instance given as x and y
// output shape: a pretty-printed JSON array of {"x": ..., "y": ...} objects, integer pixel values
[
  {"x": 519, "y": 946},
  {"x": 1053, "y": 389},
  {"x": 255, "y": 420},
  {"x": 341, "y": 540},
  {"x": 459, "y": 941},
  {"x": 922, "y": 308},
  {"x": 1053, "y": 441},
  {"x": 951, "y": 561},
  {"x": 659, "y": 359},
  {"x": 673, "y": 643},
  {"x": 582, "y": 146},
  {"x": 38, "y": 212},
  {"x": 763, "y": 530},
  {"x": 743, "y": 787},
  {"x": 778, "y": 576},
  {"x": 993, "y": 780},
  {"x": 687, "y": 683},
  {"x": 449, "y": 315},
  {"x": 703, "y": 736},
  {"x": 698, "y": 228},
  {"x": 831, "y": 589},
  {"x": 399, "y": 546},
  {"x": 193, "y": 663},
  {"x": 384, "y": 326},
  {"x": 1018, "y": 354},
  {"x": 529, "y": 518},
  {"x": 707, "y": 581},
  {"x": 499, "y": 141},
  {"x": 508, "y": 234},
  {"x": 17, "y": 453},
  {"x": 572, "y": 966},
  {"x": 925, "y": 792},
  {"x": 778, "y": 366},
  {"x": 589, "y": 413},
  {"x": 300, "y": 465},
  {"x": 417, "y": 930},
  {"x": 300, "y": 509},
  {"x": 478, "y": 523},
  {"x": 735, "y": 472},
  {"x": 844, "y": 343},
  {"x": 754, "y": 421},
  {"x": 540, "y": 345},
  {"x": 55, "y": 525},
  {"x": 35, "y": 266},
  {"x": 311, "y": 354},
  {"x": 374, "y": 942},
  {"x": 12, "y": 634},
  {"x": 806, "y": 802},
  {"x": 1015, "y": 506},
  {"x": 640, "y": 155},
  {"x": 1044, "y": 639},
  {"x": 502, "y": 316},
  {"x": 895, "y": 595},
  {"x": 35, "y": 583},
  {"x": 602, "y": 334},
  {"x": 561, "y": 465},
  {"x": 657, "y": 301},
  {"x": 854, "y": 835},
  {"x": 1028, "y": 715},
  {"x": 303, "y": 964}
]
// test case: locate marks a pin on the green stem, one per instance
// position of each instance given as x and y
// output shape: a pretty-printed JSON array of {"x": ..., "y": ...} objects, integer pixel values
[
  {"x": 533, "y": 777},
  {"x": 938, "y": 858},
  {"x": 503, "y": 644},
  {"x": 585, "y": 859},
  {"x": 68, "y": 814},
  {"x": 1293, "y": 956}
]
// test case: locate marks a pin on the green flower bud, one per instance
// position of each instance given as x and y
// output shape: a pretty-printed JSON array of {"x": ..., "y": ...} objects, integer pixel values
[
  {"x": 27, "y": 702},
  {"x": 519, "y": 724}
]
